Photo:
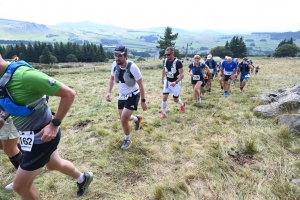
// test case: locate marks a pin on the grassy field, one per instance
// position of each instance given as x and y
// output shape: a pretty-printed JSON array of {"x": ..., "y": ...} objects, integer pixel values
[{"x": 215, "y": 150}]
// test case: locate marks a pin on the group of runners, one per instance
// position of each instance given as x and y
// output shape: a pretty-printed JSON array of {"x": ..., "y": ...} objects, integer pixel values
[{"x": 27, "y": 115}]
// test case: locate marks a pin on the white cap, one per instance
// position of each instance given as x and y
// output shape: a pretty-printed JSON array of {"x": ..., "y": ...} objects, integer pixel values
[{"x": 209, "y": 56}]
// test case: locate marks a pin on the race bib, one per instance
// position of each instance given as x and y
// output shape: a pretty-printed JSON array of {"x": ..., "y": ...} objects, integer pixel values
[
  {"x": 196, "y": 77},
  {"x": 212, "y": 71},
  {"x": 228, "y": 73},
  {"x": 247, "y": 76},
  {"x": 26, "y": 140},
  {"x": 122, "y": 97},
  {"x": 170, "y": 75}
]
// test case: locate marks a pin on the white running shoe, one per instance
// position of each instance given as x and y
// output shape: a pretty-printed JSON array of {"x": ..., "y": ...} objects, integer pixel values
[{"x": 9, "y": 186}]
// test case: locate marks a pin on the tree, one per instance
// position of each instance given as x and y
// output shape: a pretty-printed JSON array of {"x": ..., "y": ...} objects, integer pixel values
[
  {"x": 46, "y": 56},
  {"x": 71, "y": 58},
  {"x": 286, "y": 50},
  {"x": 238, "y": 47},
  {"x": 221, "y": 52},
  {"x": 166, "y": 41}
]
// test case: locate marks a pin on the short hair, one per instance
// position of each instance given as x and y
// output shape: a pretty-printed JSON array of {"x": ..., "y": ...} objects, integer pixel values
[
  {"x": 170, "y": 49},
  {"x": 197, "y": 56},
  {"x": 245, "y": 59}
]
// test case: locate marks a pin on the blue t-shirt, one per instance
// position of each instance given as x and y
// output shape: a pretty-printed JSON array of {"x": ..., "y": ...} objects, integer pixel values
[{"x": 229, "y": 67}]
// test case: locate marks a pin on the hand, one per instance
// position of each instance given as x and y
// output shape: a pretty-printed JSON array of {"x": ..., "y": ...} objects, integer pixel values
[
  {"x": 108, "y": 97},
  {"x": 162, "y": 82},
  {"x": 49, "y": 132},
  {"x": 144, "y": 106},
  {"x": 173, "y": 84}
]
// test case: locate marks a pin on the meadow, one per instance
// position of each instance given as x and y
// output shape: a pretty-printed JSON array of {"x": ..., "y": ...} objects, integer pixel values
[{"x": 215, "y": 150}]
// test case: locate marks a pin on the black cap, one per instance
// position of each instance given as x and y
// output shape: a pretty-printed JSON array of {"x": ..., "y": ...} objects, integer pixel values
[{"x": 120, "y": 49}]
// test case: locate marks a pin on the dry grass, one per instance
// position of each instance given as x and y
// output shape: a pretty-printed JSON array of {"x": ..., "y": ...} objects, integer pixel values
[{"x": 216, "y": 150}]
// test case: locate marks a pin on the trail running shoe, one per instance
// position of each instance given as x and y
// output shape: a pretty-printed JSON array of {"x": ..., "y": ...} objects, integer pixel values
[
  {"x": 199, "y": 100},
  {"x": 9, "y": 186},
  {"x": 163, "y": 115},
  {"x": 126, "y": 144},
  {"x": 138, "y": 123},
  {"x": 225, "y": 94},
  {"x": 241, "y": 90},
  {"x": 182, "y": 108},
  {"x": 83, "y": 187}
]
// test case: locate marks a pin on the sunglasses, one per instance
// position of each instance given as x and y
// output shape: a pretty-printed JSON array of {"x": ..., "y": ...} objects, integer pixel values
[{"x": 167, "y": 54}]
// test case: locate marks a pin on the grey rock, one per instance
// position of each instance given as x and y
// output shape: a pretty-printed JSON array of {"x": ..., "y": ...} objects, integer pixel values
[{"x": 292, "y": 121}]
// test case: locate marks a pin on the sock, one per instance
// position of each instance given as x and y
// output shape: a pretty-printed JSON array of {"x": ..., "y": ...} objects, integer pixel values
[
  {"x": 16, "y": 159},
  {"x": 222, "y": 87},
  {"x": 127, "y": 137},
  {"x": 180, "y": 102},
  {"x": 242, "y": 88},
  {"x": 225, "y": 91},
  {"x": 81, "y": 178},
  {"x": 135, "y": 118},
  {"x": 164, "y": 107}
]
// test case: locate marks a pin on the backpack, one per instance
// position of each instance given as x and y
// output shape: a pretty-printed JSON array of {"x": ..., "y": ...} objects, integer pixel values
[
  {"x": 127, "y": 75},
  {"x": 6, "y": 101}
]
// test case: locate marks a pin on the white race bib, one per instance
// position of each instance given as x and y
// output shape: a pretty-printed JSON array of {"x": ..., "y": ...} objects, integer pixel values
[
  {"x": 196, "y": 77},
  {"x": 170, "y": 75},
  {"x": 212, "y": 71},
  {"x": 26, "y": 140},
  {"x": 247, "y": 76},
  {"x": 122, "y": 97},
  {"x": 228, "y": 73}
]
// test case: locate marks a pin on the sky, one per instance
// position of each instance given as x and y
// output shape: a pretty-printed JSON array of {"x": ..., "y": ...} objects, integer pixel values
[{"x": 243, "y": 15}]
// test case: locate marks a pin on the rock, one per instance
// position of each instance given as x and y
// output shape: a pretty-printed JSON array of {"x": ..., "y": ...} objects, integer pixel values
[
  {"x": 292, "y": 121},
  {"x": 281, "y": 101}
]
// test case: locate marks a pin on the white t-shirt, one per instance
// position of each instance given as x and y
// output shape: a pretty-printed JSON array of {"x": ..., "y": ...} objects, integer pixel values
[{"x": 135, "y": 71}]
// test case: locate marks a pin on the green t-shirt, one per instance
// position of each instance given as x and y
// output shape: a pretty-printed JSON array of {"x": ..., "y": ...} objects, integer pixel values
[{"x": 27, "y": 85}]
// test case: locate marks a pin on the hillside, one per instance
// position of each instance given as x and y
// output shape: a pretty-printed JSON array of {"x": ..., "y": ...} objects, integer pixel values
[{"x": 13, "y": 32}]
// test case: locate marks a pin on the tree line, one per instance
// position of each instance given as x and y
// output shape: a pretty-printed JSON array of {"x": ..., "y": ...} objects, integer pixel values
[{"x": 40, "y": 52}]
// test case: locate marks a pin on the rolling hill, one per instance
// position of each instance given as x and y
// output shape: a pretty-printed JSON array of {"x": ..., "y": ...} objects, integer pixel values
[{"x": 13, "y": 32}]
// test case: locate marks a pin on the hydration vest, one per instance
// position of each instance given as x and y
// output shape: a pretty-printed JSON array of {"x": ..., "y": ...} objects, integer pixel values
[
  {"x": 6, "y": 101},
  {"x": 170, "y": 74},
  {"x": 197, "y": 70},
  {"x": 213, "y": 63},
  {"x": 127, "y": 76}
]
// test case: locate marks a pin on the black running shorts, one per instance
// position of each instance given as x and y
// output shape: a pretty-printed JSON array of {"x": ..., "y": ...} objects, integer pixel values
[{"x": 40, "y": 154}]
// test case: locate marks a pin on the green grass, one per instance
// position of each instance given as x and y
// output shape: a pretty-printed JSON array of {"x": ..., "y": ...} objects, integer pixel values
[{"x": 215, "y": 150}]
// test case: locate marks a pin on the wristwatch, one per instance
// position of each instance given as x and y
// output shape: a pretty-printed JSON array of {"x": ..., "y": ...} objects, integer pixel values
[
  {"x": 143, "y": 100},
  {"x": 56, "y": 122}
]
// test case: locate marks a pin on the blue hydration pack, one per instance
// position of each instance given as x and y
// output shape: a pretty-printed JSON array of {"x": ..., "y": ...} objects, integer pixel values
[{"x": 6, "y": 101}]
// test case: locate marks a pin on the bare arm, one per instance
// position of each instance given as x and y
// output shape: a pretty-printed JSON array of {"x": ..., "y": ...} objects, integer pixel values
[
  {"x": 67, "y": 96},
  {"x": 111, "y": 83},
  {"x": 142, "y": 92},
  {"x": 163, "y": 73}
]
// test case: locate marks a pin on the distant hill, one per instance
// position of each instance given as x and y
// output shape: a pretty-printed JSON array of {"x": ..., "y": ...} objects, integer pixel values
[{"x": 16, "y": 31}]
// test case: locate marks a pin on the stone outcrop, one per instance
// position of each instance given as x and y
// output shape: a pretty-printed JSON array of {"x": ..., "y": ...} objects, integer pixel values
[
  {"x": 292, "y": 121},
  {"x": 280, "y": 102}
]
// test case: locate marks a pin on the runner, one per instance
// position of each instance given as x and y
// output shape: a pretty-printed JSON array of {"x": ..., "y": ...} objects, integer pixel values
[
  {"x": 244, "y": 69},
  {"x": 130, "y": 88},
  {"x": 39, "y": 132},
  {"x": 173, "y": 70},
  {"x": 212, "y": 64},
  {"x": 196, "y": 72},
  {"x": 229, "y": 73}
]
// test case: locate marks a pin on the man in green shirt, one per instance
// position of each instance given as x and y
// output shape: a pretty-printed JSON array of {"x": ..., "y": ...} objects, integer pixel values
[{"x": 39, "y": 132}]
